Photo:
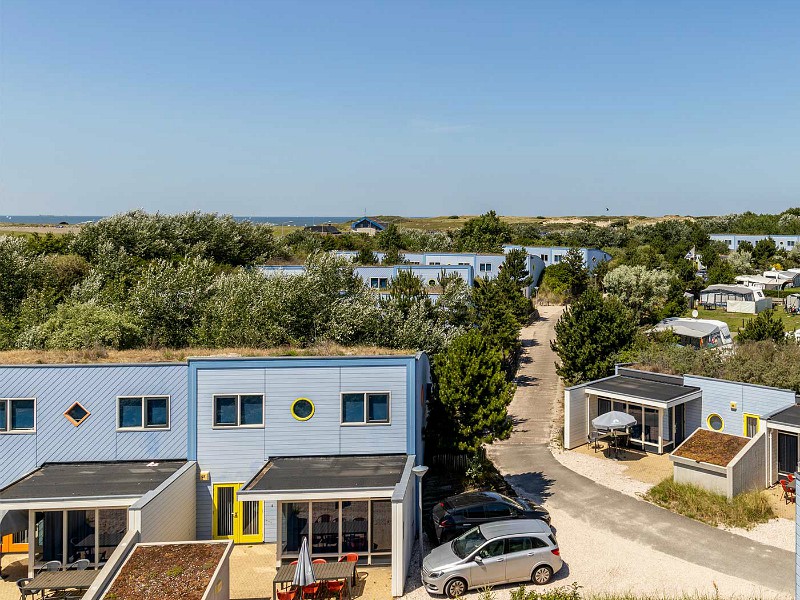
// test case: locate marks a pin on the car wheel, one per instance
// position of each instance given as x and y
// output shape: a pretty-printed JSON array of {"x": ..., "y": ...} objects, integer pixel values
[
  {"x": 541, "y": 575},
  {"x": 455, "y": 588}
]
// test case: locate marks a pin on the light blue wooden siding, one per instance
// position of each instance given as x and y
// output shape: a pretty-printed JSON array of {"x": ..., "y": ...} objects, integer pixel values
[
  {"x": 235, "y": 455},
  {"x": 96, "y": 387},
  {"x": 693, "y": 415},
  {"x": 18, "y": 457},
  {"x": 536, "y": 269},
  {"x": 751, "y": 399},
  {"x": 733, "y": 240},
  {"x": 666, "y": 425},
  {"x": 366, "y": 273}
]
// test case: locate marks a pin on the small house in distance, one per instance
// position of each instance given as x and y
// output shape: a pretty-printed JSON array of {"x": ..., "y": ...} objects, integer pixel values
[
  {"x": 368, "y": 226},
  {"x": 323, "y": 229}
]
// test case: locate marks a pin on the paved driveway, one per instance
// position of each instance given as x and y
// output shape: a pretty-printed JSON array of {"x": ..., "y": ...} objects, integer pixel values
[{"x": 640, "y": 529}]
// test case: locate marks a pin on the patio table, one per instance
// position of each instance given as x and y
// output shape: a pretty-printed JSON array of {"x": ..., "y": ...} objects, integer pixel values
[
  {"x": 61, "y": 580},
  {"x": 322, "y": 572}
]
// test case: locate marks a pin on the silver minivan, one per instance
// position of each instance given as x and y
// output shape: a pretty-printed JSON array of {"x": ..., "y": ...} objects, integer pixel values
[{"x": 491, "y": 554}]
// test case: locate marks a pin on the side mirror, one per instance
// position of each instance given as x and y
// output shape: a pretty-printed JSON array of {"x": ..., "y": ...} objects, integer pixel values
[{"x": 478, "y": 559}]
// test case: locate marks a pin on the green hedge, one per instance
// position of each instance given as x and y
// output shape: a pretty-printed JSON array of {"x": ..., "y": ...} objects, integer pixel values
[{"x": 781, "y": 293}]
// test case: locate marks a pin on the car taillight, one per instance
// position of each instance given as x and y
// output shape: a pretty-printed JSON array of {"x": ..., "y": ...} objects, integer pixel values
[{"x": 556, "y": 551}]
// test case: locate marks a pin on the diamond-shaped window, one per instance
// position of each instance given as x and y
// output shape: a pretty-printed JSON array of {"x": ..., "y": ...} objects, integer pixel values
[{"x": 76, "y": 414}]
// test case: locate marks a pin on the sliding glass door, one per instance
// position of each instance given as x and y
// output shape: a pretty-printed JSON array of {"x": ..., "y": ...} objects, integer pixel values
[
  {"x": 71, "y": 535},
  {"x": 338, "y": 527}
]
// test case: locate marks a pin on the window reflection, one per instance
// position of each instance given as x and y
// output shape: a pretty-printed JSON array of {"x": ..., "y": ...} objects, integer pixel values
[
  {"x": 325, "y": 530},
  {"x": 294, "y": 525},
  {"x": 354, "y": 526}
]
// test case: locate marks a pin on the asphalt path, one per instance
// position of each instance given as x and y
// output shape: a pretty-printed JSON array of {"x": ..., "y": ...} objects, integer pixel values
[{"x": 527, "y": 463}]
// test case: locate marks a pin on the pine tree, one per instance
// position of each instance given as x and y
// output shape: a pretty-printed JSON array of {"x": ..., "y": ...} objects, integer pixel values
[
  {"x": 472, "y": 395},
  {"x": 496, "y": 318},
  {"x": 575, "y": 272},
  {"x": 366, "y": 256},
  {"x": 589, "y": 335},
  {"x": 766, "y": 326},
  {"x": 514, "y": 267},
  {"x": 407, "y": 290}
]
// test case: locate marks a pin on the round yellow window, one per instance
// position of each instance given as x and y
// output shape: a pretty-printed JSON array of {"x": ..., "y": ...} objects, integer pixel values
[
  {"x": 302, "y": 409},
  {"x": 715, "y": 422}
]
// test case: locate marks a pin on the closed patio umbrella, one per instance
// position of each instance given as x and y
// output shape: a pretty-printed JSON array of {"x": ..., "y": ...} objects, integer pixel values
[{"x": 304, "y": 572}]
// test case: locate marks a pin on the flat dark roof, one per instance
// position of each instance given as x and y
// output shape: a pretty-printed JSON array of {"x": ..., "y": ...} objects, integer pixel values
[
  {"x": 646, "y": 389},
  {"x": 789, "y": 416},
  {"x": 328, "y": 473},
  {"x": 89, "y": 480}
]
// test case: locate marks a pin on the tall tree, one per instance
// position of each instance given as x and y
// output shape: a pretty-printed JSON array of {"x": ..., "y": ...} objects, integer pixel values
[
  {"x": 589, "y": 335},
  {"x": 407, "y": 290},
  {"x": 389, "y": 238},
  {"x": 393, "y": 256},
  {"x": 575, "y": 271},
  {"x": 644, "y": 291},
  {"x": 471, "y": 394},
  {"x": 496, "y": 318},
  {"x": 366, "y": 256},
  {"x": 515, "y": 268},
  {"x": 763, "y": 251},
  {"x": 486, "y": 233}
]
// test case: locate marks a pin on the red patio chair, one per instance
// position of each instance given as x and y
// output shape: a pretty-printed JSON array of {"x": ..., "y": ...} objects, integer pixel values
[
  {"x": 350, "y": 557},
  {"x": 788, "y": 493},
  {"x": 790, "y": 477},
  {"x": 312, "y": 591},
  {"x": 335, "y": 588},
  {"x": 288, "y": 594},
  {"x": 318, "y": 561}
]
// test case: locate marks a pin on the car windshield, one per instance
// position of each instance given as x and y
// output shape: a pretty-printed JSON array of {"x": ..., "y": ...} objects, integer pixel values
[
  {"x": 467, "y": 543},
  {"x": 512, "y": 502}
]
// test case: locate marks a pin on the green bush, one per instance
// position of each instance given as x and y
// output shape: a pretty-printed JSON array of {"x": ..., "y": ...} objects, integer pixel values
[
  {"x": 745, "y": 510},
  {"x": 781, "y": 293}
]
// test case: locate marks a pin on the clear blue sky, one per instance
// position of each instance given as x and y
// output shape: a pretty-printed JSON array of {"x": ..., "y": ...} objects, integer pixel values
[{"x": 405, "y": 107}]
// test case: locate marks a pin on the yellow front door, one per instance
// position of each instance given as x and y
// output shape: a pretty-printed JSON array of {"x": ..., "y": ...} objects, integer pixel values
[{"x": 236, "y": 520}]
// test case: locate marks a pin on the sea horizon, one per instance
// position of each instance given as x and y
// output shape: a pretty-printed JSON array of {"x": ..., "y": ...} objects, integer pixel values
[{"x": 298, "y": 221}]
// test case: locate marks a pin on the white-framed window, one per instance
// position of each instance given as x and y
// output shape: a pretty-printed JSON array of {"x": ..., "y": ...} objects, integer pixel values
[
  {"x": 238, "y": 410},
  {"x": 557, "y": 258},
  {"x": 17, "y": 415},
  {"x": 728, "y": 243},
  {"x": 463, "y": 264},
  {"x": 142, "y": 412},
  {"x": 433, "y": 263},
  {"x": 379, "y": 283},
  {"x": 790, "y": 242},
  {"x": 366, "y": 408},
  {"x": 485, "y": 267},
  {"x": 544, "y": 257}
]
